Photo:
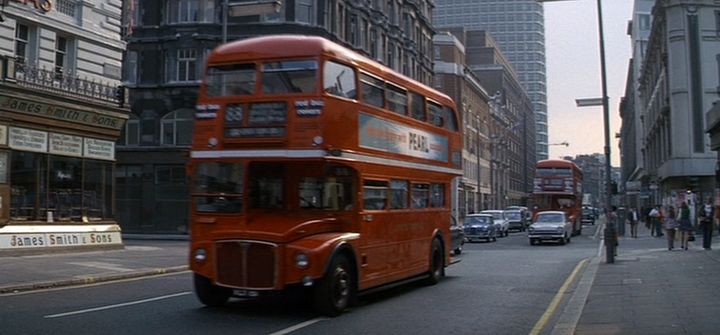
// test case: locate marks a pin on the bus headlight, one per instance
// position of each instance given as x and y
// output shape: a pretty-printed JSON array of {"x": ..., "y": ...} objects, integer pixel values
[
  {"x": 200, "y": 255},
  {"x": 302, "y": 260}
]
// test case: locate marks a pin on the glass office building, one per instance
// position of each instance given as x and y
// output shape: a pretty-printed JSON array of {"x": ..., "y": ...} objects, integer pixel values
[{"x": 519, "y": 28}]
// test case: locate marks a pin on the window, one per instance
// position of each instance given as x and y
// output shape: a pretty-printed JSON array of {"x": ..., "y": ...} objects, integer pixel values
[
  {"x": 420, "y": 195},
  {"x": 176, "y": 127},
  {"x": 218, "y": 187},
  {"x": 22, "y": 40},
  {"x": 97, "y": 190},
  {"x": 290, "y": 77},
  {"x": 417, "y": 106},
  {"x": 375, "y": 194},
  {"x": 330, "y": 193},
  {"x": 437, "y": 195},
  {"x": 186, "y": 69},
  {"x": 372, "y": 92},
  {"x": 229, "y": 80},
  {"x": 61, "y": 51},
  {"x": 339, "y": 80},
  {"x": 67, "y": 7},
  {"x": 191, "y": 11},
  {"x": 435, "y": 112},
  {"x": 131, "y": 133},
  {"x": 266, "y": 188},
  {"x": 305, "y": 11},
  {"x": 28, "y": 182},
  {"x": 398, "y": 194},
  {"x": 65, "y": 189},
  {"x": 397, "y": 99}
]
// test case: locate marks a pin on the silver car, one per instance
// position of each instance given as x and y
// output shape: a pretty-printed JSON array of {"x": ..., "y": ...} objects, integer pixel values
[
  {"x": 550, "y": 226},
  {"x": 501, "y": 223}
]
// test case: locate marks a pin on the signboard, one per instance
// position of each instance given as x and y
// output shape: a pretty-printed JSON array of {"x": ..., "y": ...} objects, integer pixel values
[
  {"x": 60, "y": 113},
  {"x": 379, "y": 134},
  {"x": 28, "y": 139},
  {"x": 67, "y": 145},
  {"x": 51, "y": 240},
  {"x": 99, "y": 149}
]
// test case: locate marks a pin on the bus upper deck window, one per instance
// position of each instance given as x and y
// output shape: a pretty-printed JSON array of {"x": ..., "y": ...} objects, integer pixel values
[
  {"x": 417, "y": 106},
  {"x": 298, "y": 76},
  {"x": 436, "y": 114},
  {"x": 230, "y": 80},
  {"x": 373, "y": 91},
  {"x": 339, "y": 80},
  {"x": 397, "y": 99}
]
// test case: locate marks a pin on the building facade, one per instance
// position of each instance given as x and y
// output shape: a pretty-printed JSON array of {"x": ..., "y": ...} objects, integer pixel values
[
  {"x": 678, "y": 85},
  {"x": 453, "y": 77},
  {"x": 509, "y": 142},
  {"x": 61, "y": 111},
  {"x": 519, "y": 28},
  {"x": 168, "y": 41}
]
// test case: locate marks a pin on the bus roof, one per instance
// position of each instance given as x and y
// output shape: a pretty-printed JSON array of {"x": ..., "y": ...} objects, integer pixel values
[
  {"x": 294, "y": 46},
  {"x": 555, "y": 163}
]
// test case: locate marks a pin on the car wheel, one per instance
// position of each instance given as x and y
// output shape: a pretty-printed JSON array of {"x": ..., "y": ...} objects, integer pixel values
[
  {"x": 563, "y": 239},
  {"x": 458, "y": 250},
  {"x": 334, "y": 291},
  {"x": 209, "y": 294},
  {"x": 532, "y": 242}
]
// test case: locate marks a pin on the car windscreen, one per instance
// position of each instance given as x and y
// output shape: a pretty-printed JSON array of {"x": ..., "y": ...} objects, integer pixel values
[
  {"x": 495, "y": 215},
  {"x": 477, "y": 220},
  {"x": 513, "y": 215},
  {"x": 550, "y": 218}
]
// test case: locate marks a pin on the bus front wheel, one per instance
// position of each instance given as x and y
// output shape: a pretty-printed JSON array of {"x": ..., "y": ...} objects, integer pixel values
[
  {"x": 334, "y": 292},
  {"x": 436, "y": 263},
  {"x": 209, "y": 294}
]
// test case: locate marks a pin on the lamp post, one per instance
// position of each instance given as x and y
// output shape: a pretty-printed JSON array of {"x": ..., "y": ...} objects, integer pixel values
[{"x": 606, "y": 120}]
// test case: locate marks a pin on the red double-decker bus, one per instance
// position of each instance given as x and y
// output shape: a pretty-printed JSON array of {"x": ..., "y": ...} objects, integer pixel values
[
  {"x": 315, "y": 167},
  {"x": 558, "y": 186}
]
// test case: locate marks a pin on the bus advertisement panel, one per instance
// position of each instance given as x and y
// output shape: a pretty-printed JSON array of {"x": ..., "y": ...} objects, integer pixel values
[{"x": 315, "y": 168}]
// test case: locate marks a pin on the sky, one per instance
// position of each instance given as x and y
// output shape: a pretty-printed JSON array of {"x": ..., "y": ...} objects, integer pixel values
[{"x": 573, "y": 71}]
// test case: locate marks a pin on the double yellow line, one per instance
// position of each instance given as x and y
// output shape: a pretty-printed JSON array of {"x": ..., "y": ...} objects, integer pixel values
[{"x": 556, "y": 300}]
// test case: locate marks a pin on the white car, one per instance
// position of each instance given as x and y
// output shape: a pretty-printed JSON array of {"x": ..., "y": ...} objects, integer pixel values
[
  {"x": 550, "y": 226},
  {"x": 502, "y": 225}
]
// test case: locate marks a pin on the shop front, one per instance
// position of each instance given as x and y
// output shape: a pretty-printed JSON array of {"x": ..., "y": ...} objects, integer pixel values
[{"x": 57, "y": 160}]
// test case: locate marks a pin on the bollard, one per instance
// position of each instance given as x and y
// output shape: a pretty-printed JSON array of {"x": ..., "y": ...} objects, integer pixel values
[{"x": 610, "y": 242}]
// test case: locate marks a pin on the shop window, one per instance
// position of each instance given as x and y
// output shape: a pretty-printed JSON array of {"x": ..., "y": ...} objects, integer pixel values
[
  {"x": 27, "y": 171},
  {"x": 65, "y": 190},
  {"x": 176, "y": 128},
  {"x": 128, "y": 180},
  {"x": 97, "y": 190}
]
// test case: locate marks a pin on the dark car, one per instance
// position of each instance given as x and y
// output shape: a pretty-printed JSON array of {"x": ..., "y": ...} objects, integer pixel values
[
  {"x": 457, "y": 236},
  {"x": 588, "y": 215},
  {"x": 480, "y": 227}
]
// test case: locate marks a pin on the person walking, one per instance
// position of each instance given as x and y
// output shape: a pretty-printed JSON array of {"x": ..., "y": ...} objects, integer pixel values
[
  {"x": 632, "y": 219},
  {"x": 706, "y": 217},
  {"x": 670, "y": 226},
  {"x": 685, "y": 226},
  {"x": 655, "y": 221}
]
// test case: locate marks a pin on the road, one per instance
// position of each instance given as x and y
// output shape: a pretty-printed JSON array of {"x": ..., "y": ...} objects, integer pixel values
[{"x": 503, "y": 287}]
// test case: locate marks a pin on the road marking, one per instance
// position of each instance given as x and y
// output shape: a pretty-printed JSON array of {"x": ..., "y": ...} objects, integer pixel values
[
  {"x": 102, "y": 308},
  {"x": 102, "y": 266},
  {"x": 289, "y": 330},
  {"x": 540, "y": 324}
]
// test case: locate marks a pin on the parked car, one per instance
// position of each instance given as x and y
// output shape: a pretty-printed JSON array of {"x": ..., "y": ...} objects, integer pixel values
[
  {"x": 588, "y": 215},
  {"x": 480, "y": 227},
  {"x": 501, "y": 224},
  {"x": 515, "y": 219},
  {"x": 550, "y": 226},
  {"x": 457, "y": 236}
]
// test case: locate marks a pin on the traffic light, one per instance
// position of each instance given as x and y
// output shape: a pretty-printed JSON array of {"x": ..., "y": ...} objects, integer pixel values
[{"x": 120, "y": 95}]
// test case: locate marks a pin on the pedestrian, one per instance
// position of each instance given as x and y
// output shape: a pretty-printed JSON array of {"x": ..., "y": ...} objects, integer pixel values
[
  {"x": 706, "y": 217},
  {"x": 655, "y": 221},
  {"x": 685, "y": 226},
  {"x": 670, "y": 227},
  {"x": 632, "y": 219}
]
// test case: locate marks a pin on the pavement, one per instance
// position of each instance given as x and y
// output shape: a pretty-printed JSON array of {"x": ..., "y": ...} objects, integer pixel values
[{"x": 647, "y": 290}]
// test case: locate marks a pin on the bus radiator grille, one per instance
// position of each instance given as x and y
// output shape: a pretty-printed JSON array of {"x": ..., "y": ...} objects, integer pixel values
[{"x": 246, "y": 264}]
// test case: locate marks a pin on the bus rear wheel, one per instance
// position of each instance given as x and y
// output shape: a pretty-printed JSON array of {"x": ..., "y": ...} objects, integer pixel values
[
  {"x": 335, "y": 291},
  {"x": 209, "y": 294},
  {"x": 436, "y": 263}
]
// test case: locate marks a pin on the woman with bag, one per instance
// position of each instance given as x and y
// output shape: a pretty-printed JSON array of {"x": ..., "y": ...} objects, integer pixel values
[
  {"x": 670, "y": 226},
  {"x": 685, "y": 226}
]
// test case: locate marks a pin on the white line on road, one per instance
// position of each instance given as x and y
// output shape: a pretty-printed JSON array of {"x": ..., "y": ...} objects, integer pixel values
[
  {"x": 101, "y": 308},
  {"x": 289, "y": 330},
  {"x": 102, "y": 266}
]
